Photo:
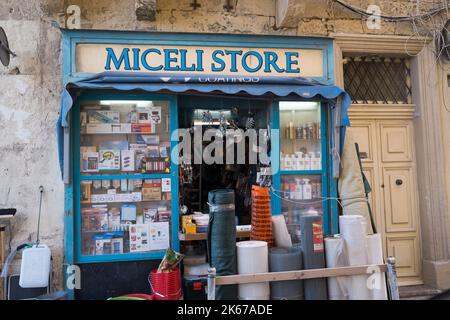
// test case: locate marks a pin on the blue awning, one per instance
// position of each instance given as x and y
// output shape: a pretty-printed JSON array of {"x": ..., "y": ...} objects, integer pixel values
[{"x": 271, "y": 87}]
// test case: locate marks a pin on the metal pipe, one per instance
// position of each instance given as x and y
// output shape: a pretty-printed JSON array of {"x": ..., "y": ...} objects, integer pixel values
[
  {"x": 211, "y": 283},
  {"x": 392, "y": 279}
]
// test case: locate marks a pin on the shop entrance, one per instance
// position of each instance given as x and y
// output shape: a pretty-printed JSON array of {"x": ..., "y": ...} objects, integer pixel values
[{"x": 210, "y": 117}]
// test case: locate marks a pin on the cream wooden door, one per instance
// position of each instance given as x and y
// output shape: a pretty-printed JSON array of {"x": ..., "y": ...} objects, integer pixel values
[{"x": 387, "y": 152}]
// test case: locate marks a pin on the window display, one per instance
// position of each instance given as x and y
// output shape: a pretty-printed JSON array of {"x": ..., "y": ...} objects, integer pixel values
[
  {"x": 300, "y": 136},
  {"x": 123, "y": 137},
  {"x": 125, "y": 181},
  {"x": 115, "y": 217}
]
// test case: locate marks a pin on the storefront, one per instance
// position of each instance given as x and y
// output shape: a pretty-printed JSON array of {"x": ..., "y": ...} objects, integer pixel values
[{"x": 129, "y": 95}]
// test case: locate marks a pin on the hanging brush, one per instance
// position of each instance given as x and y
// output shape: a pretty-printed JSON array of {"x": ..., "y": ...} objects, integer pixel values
[{"x": 250, "y": 123}]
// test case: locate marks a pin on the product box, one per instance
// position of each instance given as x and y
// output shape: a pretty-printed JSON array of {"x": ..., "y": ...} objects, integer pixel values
[
  {"x": 143, "y": 117},
  {"x": 151, "y": 193},
  {"x": 164, "y": 215},
  {"x": 116, "y": 245},
  {"x": 128, "y": 212},
  {"x": 104, "y": 116},
  {"x": 164, "y": 149},
  {"x": 114, "y": 218},
  {"x": 148, "y": 139},
  {"x": 142, "y": 128},
  {"x": 127, "y": 159},
  {"x": 150, "y": 215},
  {"x": 109, "y": 160},
  {"x": 102, "y": 244},
  {"x": 98, "y": 128},
  {"x": 125, "y": 128},
  {"x": 89, "y": 161},
  {"x": 94, "y": 219},
  {"x": 153, "y": 151},
  {"x": 185, "y": 220}
]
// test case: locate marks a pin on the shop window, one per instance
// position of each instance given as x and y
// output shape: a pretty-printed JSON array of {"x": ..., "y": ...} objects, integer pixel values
[
  {"x": 124, "y": 177},
  {"x": 377, "y": 80}
]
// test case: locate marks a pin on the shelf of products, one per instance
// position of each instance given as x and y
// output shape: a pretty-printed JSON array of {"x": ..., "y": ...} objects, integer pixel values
[
  {"x": 301, "y": 134},
  {"x": 203, "y": 236},
  {"x": 127, "y": 137},
  {"x": 125, "y": 182}
]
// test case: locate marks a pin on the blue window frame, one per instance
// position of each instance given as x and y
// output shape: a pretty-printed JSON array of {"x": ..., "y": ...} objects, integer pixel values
[
  {"x": 78, "y": 178},
  {"x": 328, "y": 185}
]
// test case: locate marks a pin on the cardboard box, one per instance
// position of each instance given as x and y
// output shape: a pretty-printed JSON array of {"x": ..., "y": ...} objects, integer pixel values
[
  {"x": 151, "y": 193},
  {"x": 142, "y": 128},
  {"x": 127, "y": 160},
  {"x": 95, "y": 128},
  {"x": 109, "y": 160},
  {"x": 104, "y": 116}
]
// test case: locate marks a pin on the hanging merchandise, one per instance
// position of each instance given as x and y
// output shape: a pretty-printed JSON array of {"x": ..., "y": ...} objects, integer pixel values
[
  {"x": 261, "y": 215},
  {"x": 353, "y": 231},
  {"x": 313, "y": 255},
  {"x": 375, "y": 256},
  {"x": 280, "y": 232},
  {"x": 250, "y": 122},
  {"x": 286, "y": 259},
  {"x": 221, "y": 240},
  {"x": 252, "y": 257},
  {"x": 335, "y": 258}
]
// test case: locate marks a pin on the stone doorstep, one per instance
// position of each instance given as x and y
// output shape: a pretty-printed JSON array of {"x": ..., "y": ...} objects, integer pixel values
[{"x": 420, "y": 291}]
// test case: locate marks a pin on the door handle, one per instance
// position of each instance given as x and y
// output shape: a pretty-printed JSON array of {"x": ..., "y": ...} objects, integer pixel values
[{"x": 399, "y": 182}]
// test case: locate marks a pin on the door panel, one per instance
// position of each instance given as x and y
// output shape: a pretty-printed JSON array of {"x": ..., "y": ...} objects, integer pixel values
[
  {"x": 396, "y": 141},
  {"x": 363, "y": 133},
  {"x": 399, "y": 199},
  {"x": 387, "y": 146},
  {"x": 406, "y": 251}
]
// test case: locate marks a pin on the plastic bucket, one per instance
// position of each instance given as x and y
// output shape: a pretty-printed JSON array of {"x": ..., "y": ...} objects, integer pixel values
[{"x": 166, "y": 285}]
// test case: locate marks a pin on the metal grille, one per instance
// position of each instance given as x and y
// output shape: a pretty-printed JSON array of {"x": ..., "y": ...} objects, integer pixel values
[{"x": 378, "y": 80}]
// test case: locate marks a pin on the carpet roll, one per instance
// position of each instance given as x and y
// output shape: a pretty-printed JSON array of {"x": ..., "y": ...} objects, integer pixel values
[
  {"x": 221, "y": 241},
  {"x": 253, "y": 258},
  {"x": 313, "y": 255},
  {"x": 285, "y": 259}
]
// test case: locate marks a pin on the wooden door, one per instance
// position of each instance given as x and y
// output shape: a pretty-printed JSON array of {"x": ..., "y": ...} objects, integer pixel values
[{"x": 387, "y": 151}]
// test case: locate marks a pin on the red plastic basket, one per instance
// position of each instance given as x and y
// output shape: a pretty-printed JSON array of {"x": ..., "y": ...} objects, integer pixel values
[{"x": 166, "y": 285}]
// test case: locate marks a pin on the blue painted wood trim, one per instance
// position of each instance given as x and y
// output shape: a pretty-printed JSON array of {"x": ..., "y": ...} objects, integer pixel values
[
  {"x": 275, "y": 155},
  {"x": 333, "y": 190},
  {"x": 174, "y": 172},
  {"x": 99, "y": 95},
  {"x": 125, "y": 176},
  {"x": 325, "y": 167},
  {"x": 303, "y": 172},
  {"x": 197, "y": 39}
]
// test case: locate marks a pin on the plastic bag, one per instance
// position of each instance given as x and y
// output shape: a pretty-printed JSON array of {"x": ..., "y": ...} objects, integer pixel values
[{"x": 170, "y": 261}]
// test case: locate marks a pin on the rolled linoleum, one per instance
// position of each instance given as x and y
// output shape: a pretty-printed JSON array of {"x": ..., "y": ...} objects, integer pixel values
[
  {"x": 313, "y": 255},
  {"x": 285, "y": 259},
  {"x": 375, "y": 256},
  {"x": 335, "y": 256},
  {"x": 353, "y": 231},
  {"x": 252, "y": 257},
  {"x": 280, "y": 232}
]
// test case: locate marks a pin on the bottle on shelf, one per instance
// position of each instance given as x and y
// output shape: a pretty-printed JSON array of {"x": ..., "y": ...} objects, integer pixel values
[{"x": 307, "y": 191}]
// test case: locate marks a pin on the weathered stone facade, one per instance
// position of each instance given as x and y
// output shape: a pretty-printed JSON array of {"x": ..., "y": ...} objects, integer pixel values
[{"x": 30, "y": 87}]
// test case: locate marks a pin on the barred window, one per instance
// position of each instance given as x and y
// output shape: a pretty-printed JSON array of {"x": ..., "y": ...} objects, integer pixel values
[{"x": 377, "y": 80}]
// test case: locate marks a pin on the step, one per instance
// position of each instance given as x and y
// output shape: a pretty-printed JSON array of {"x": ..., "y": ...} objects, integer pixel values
[{"x": 420, "y": 292}]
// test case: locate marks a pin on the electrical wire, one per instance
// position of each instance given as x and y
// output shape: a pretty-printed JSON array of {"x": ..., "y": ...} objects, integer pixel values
[
  {"x": 311, "y": 202},
  {"x": 363, "y": 12}
]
